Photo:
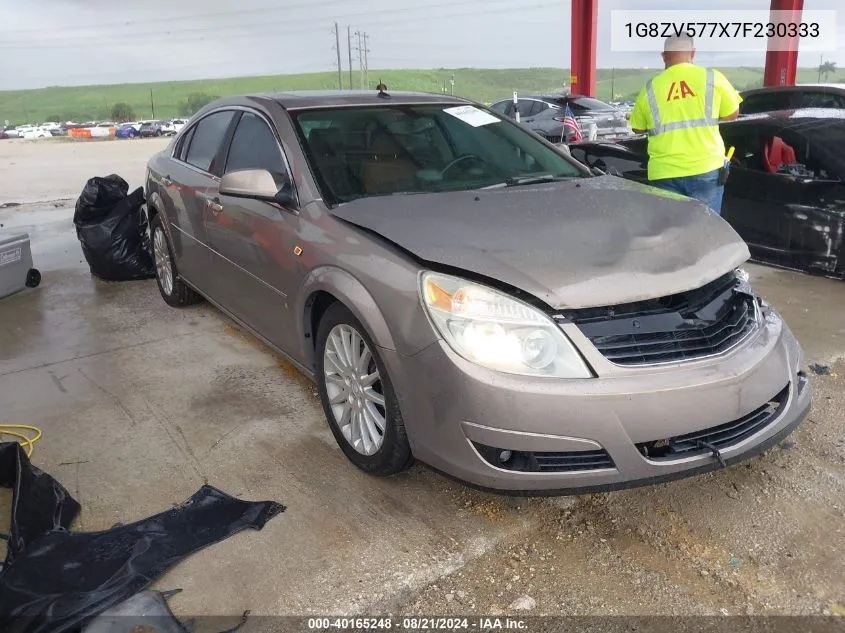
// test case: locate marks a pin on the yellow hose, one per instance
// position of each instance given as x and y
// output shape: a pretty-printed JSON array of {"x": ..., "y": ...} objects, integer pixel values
[{"x": 14, "y": 430}]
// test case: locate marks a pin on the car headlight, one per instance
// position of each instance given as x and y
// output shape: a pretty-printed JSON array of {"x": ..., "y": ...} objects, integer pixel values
[{"x": 491, "y": 329}]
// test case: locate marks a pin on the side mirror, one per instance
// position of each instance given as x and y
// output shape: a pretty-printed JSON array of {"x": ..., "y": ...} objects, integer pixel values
[{"x": 258, "y": 184}]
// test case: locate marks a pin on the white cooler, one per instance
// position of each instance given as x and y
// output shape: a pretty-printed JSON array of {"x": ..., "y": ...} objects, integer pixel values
[{"x": 16, "y": 271}]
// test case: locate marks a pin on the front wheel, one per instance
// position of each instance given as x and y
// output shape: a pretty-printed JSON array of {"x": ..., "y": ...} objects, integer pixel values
[
  {"x": 173, "y": 290},
  {"x": 358, "y": 397}
]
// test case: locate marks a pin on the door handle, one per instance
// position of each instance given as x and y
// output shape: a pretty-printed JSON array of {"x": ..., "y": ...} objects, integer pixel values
[
  {"x": 166, "y": 181},
  {"x": 214, "y": 207}
]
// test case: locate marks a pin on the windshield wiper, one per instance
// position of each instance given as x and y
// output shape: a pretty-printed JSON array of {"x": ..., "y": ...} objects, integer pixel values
[{"x": 534, "y": 180}]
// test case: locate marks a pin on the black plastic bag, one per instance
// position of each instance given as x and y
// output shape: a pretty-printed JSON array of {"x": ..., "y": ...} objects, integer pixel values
[
  {"x": 99, "y": 197},
  {"x": 112, "y": 230},
  {"x": 55, "y": 581}
]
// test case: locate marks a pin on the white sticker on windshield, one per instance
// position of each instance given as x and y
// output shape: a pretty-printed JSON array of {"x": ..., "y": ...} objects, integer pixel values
[{"x": 472, "y": 115}]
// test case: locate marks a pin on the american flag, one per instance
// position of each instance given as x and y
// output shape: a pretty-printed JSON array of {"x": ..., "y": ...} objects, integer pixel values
[{"x": 569, "y": 121}]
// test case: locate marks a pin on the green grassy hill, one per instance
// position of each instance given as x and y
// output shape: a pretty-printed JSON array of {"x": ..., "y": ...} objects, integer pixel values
[{"x": 81, "y": 103}]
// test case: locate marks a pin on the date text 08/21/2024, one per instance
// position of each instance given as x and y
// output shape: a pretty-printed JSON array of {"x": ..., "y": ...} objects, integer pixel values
[{"x": 417, "y": 624}]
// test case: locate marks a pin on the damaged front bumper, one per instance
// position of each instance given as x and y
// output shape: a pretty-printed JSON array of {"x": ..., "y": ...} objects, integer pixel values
[{"x": 527, "y": 436}]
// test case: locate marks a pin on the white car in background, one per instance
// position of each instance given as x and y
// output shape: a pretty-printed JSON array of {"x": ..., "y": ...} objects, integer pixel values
[
  {"x": 30, "y": 132},
  {"x": 173, "y": 127}
]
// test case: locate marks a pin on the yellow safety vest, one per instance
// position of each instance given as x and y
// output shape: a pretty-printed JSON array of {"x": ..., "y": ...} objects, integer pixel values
[{"x": 680, "y": 110}]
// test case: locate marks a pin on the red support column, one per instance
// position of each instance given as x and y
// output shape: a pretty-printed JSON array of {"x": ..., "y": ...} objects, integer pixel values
[
  {"x": 781, "y": 65},
  {"x": 584, "y": 27}
]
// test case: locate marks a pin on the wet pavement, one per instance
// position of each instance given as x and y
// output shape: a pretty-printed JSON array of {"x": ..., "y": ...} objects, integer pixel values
[{"x": 141, "y": 404}]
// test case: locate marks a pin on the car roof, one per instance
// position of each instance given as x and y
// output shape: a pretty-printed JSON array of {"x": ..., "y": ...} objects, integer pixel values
[
  {"x": 328, "y": 98},
  {"x": 795, "y": 88},
  {"x": 796, "y": 118}
]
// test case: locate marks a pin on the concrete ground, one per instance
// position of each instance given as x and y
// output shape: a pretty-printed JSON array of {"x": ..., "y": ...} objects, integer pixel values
[{"x": 141, "y": 404}]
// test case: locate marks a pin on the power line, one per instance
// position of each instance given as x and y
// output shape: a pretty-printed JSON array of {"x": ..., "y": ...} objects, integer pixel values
[
  {"x": 168, "y": 36},
  {"x": 195, "y": 15}
]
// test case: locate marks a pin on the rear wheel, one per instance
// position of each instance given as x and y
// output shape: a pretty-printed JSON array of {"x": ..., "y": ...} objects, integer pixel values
[
  {"x": 173, "y": 290},
  {"x": 358, "y": 397}
]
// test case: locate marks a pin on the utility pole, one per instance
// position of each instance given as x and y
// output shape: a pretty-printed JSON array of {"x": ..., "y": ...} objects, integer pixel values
[
  {"x": 152, "y": 103},
  {"x": 366, "y": 64},
  {"x": 612, "y": 82},
  {"x": 349, "y": 45},
  {"x": 337, "y": 48},
  {"x": 452, "y": 85},
  {"x": 821, "y": 61},
  {"x": 360, "y": 51}
]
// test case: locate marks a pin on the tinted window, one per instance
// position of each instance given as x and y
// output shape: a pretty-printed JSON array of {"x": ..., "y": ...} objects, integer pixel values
[
  {"x": 206, "y": 140},
  {"x": 586, "y": 103},
  {"x": 537, "y": 107},
  {"x": 524, "y": 107},
  {"x": 372, "y": 151},
  {"x": 254, "y": 147},
  {"x": 184, "y": 143},
  {"x": 821, "y": 100},
  {"x": 500, "y": 107},
  {"x": 765, "y": 102}
]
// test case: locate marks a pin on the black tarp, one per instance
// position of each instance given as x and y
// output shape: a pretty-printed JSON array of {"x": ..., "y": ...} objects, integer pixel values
[
  {"x": 54, "y": 581},
  {"x": 112, "y": 230}
]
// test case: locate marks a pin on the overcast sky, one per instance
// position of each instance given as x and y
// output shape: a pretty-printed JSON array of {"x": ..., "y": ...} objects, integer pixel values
[{"x": 73, "y": 42}]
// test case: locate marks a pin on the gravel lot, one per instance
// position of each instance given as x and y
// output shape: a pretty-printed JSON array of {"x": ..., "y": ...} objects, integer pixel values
[{"x": 151, "y": 402}]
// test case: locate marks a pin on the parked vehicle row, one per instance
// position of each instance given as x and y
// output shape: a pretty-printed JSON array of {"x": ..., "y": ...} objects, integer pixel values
[
  {"x": 131, "y": 129},
  {"x": 468, "y": 295},
  {"x": 545, "y": 115}
]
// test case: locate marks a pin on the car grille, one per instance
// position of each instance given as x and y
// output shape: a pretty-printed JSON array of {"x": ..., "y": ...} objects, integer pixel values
[
  {"x": 688, "y": 326},
  {"x": 720, "y": 437},
  {"x": 537, "y": 462}
]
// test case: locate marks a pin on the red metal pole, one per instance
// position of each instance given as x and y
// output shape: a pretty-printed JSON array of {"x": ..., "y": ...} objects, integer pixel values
[
  {"x": 584, "y": 27},
  {"x": 781, "y": 65}
]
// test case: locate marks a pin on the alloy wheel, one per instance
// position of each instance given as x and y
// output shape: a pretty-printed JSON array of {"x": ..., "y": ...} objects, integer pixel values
[
  {"x": 164, "y": 267},
  {"x": 354, "y": 389}
]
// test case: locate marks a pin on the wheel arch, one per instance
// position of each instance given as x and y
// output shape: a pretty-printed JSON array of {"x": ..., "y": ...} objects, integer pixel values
[{"x": 327, "y": 285}]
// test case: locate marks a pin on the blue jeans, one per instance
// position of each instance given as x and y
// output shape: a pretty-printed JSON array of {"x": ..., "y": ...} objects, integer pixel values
[{"x": 704, "y": 187}]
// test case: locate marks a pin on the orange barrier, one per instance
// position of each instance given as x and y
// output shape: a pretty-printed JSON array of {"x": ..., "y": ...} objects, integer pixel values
[{"x": 80, "y": 132}]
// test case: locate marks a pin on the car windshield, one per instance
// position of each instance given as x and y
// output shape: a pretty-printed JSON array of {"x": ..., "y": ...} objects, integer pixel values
[{"x": 382, "y": 150}]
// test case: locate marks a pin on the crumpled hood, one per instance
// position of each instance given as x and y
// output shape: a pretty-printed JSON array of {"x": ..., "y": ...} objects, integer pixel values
[{"x": 573, "y": 244}]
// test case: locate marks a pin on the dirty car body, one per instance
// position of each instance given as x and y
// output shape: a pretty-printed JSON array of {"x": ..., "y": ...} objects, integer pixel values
[
  {"x": 465, "y": 294},
  {"x": 791, "y": 213}
]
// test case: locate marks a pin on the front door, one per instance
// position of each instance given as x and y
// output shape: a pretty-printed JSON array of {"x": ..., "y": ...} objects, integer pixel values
[
  {"x": 252, "y": 241},
  {"x": 192, "y": 175}
]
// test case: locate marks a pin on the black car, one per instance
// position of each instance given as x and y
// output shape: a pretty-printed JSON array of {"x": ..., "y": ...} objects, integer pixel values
[
  {"x": 774, "y": 98},
  {"x": 785, "y": 194},
  {"x": 544, "y": 115},
  {"x": 151, "y": 128}
]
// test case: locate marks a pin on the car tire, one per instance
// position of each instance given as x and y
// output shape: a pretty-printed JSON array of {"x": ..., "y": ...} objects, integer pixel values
[
  {"x": 388, "y": 451},
  {"x": 33, "y": 278},
  {"x": 173, "y": 290}
]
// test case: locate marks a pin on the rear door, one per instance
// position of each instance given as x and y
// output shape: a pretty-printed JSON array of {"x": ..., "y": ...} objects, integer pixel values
[
  {"x": 192, "y": 174},
  {"x": 253, "y": 241},
  {"x": 759, "y": 205}
]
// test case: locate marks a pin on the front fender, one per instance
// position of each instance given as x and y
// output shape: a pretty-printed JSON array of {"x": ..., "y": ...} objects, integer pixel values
[{"x": 349, "y": 291}]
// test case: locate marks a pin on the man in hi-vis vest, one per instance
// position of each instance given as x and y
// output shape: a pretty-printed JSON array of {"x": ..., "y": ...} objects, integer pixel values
[{"x": 680, "y": 110}]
